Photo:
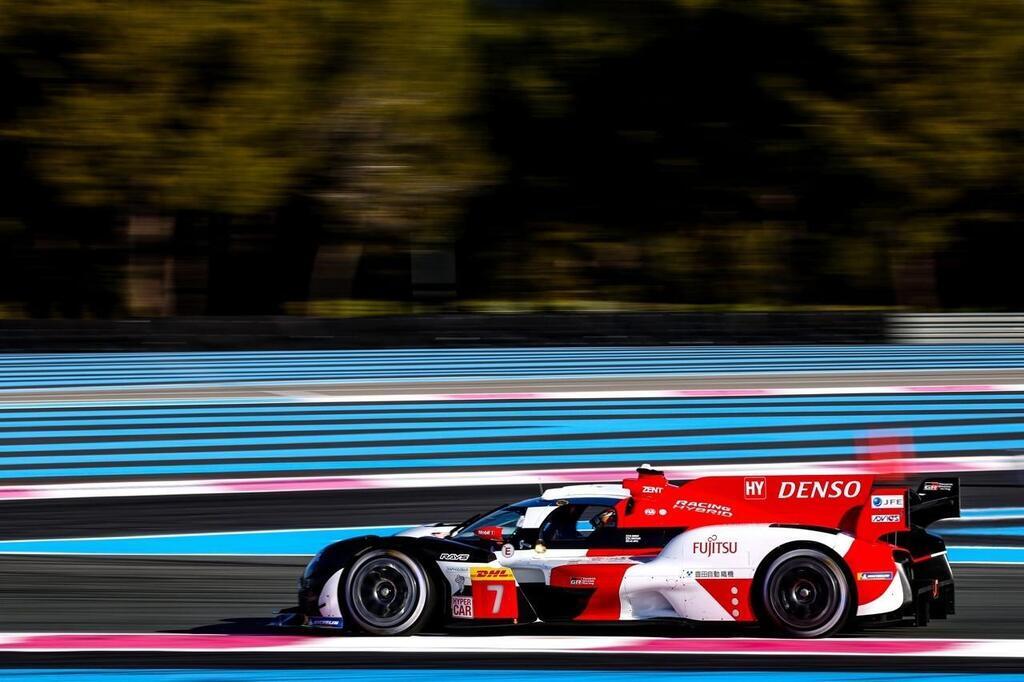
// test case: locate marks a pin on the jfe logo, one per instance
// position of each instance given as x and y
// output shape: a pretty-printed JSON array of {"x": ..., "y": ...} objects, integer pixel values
[
  {"x": 754, "y": 488},
  {"x": 887, "y": 502}
]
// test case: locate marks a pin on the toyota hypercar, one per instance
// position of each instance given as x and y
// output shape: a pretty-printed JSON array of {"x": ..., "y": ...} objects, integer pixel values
[{"x": 801, "y": 556}]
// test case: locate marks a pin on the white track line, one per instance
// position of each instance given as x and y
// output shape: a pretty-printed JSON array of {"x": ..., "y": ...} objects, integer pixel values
[
  {"x": 258, "y": 394},
  {"x": 326, "y": 397}
]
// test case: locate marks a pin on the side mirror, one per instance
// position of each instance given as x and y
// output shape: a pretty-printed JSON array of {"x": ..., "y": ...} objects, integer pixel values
[{"x": 493, "y": 533}]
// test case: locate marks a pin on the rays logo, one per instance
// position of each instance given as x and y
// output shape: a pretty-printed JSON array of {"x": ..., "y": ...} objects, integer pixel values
[
  {"x": 713, "y": 546},
  {"x": 445, "y": 556}
]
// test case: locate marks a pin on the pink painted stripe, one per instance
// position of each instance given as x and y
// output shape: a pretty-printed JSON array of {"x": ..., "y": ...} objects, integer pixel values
[
  {"x": 822, "y": 647},
  {"x": 958, "y": 388},
  {"x": 144, "y": 642},
  {"x": 494, "y": 396},
  {"x": 386, "y": 481},
  {"x": 723, "y": 392},
  {"x": 211, "y": 643}
]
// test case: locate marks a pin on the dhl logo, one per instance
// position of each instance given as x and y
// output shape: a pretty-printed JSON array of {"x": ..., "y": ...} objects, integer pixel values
[{"x": 485, "y": 573}]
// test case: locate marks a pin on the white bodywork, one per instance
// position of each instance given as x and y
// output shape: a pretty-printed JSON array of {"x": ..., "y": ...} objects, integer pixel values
[{"x": 668, "y": 584}]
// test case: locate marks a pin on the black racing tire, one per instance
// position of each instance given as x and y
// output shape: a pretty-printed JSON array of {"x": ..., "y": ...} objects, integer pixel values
[
  {"x": 804, "y": 592},
  {"x": 387, "y": 592}
]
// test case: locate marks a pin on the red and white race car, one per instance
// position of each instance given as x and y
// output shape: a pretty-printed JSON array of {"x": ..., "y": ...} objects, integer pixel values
[{"x": 802, "y": 556}]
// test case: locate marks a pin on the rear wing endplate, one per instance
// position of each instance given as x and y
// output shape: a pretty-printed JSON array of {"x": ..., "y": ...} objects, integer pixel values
[{"x": 935, "y": 499}]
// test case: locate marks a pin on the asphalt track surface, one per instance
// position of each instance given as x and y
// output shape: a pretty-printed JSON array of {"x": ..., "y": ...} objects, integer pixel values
[{"x": 41, "y": 593}]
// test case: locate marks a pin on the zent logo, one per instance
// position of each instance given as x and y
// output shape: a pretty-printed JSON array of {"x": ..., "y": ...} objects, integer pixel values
[
  {"x": 462, "y": 607},
  {"x": 652, "y": 489},
  {"x": 754, "y": 488},
  {"x": 445, "y": 556},
  {"x": 819, "y": 490}
]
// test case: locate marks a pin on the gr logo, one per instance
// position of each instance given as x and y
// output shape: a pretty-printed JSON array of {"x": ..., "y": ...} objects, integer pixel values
[{"x": 754, "y": 488}]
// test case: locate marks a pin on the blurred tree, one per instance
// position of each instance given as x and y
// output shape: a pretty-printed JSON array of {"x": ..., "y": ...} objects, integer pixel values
[
  {"x": 155, "y": 108},
  {"x": 750, "y": 152},
  {"x": 403, "y": 153},
  {"x": 925, "y": 101},
  {"x": 761, "y": 151},
  {"x": 159, "y": 107}
]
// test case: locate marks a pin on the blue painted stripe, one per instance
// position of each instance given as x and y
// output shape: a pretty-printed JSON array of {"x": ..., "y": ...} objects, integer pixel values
[
  {"x": 533, "y": 674},
  {"x": 341, "y": 461},
  {"x": 285, "y": 405},
  {"x": 298, "y": 413},
  {"x": 248, "y": 543},
  {"x": 424, "y": 366},
  {"x": 517, "y": 429},
  {"x": 308, "y": 541},
  {"x": 82, "y": 369},
  {"x": 967, "y": 531},
  {"x": 986, "y": 555},
  {"x": 489, "y": 437},
  {"x": 995, "y": 512}
]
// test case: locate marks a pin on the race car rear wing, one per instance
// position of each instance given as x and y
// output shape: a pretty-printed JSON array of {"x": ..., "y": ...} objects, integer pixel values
[{"x": 935, "y": 499}]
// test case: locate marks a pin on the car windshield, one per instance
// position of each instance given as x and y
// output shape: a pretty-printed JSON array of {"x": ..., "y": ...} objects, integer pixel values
[{"x": 506, "y": 518}]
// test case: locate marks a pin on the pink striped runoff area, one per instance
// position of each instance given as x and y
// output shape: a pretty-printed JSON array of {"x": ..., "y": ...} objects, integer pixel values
[
  {"x": 384, "y": 481},
  {"x": 390, "y": 481},
  {"x": 534, "y": 644}
]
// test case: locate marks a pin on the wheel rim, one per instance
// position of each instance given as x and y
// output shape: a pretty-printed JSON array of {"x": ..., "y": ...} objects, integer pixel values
[
  {"x": 384, "y": 592},
  {"x": 805, "y": 594}
]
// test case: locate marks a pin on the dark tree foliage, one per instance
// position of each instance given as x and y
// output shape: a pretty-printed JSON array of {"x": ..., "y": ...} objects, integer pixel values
[{"x": 338, "y": 157}]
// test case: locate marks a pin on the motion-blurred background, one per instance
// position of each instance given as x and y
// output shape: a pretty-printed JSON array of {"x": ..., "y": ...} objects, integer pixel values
[{"x": 344, "y": 157}]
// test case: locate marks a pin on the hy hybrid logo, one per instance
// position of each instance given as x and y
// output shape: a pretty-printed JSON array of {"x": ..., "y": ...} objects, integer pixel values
[{"x": 755, "y": 488}]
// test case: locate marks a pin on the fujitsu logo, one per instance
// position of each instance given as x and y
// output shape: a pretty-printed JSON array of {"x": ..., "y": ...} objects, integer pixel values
[
  {"x": 713, "y": 546},
  {"x": 821, "y": 490}
]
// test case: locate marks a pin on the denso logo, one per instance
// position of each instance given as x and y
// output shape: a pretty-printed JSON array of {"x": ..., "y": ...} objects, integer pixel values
[
  {"x": 819, "y": 490},
  {"x": 652, "y": 489},
  {"x": 713, "y": 546}
]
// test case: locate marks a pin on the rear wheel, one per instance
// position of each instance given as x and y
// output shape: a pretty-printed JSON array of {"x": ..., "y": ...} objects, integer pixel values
[
  {"x": 805, "y": 593},
  {"x": 387, "y": 592}
]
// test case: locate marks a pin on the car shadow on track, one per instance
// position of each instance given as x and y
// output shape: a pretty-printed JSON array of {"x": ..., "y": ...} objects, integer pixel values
[{"x": 262, "y": 626}]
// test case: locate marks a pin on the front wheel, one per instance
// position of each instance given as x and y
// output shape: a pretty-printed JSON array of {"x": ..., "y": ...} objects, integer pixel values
[
  {"x": 805, "y": 593},
  {"x": 387, "y": 592}
]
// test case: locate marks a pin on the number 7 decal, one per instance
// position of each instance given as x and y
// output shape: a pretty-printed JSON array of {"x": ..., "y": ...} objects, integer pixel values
[
  {"x": 494, "y": 593},
  {"x": 498, "y": 589}
]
